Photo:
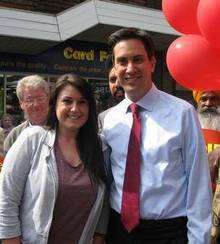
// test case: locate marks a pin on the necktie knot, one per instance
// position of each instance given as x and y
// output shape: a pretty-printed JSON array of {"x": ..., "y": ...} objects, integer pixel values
[{"x": 135, "y": 109}]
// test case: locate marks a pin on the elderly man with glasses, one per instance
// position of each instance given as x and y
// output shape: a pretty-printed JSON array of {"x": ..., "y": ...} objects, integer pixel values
[{"x": 33, "y": 95}]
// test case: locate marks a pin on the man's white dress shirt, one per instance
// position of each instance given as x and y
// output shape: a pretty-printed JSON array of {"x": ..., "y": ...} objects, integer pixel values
[{"x": 175, "y": 178}]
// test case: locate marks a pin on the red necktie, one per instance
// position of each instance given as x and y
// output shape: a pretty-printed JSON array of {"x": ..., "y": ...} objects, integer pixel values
[{"x": 130, "y": 212}]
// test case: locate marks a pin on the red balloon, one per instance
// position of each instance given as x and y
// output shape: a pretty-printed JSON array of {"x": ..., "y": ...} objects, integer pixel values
[
  {"x": 182, "y": 15},
  {"x": 208, "y": 15},
  {"x": 194, "y": 63}
]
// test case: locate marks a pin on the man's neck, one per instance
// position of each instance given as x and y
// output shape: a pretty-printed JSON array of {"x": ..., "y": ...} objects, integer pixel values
[{"x": 37, "y": 123}]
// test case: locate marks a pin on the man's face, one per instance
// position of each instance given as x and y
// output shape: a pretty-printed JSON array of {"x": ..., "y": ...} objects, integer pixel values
[
  {"x": 116, "y": 90},
  {"x": 209, "y": 102},
  {"x": 7, "y": 122},
  {"x": 35, "y": 104},
  {"x": 133, "y": 67},
  {"x": 208, "y": 111}
]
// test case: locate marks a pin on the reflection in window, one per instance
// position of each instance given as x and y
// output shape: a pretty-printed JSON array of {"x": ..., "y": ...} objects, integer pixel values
[
  {"x": 12, "y": 103},
  {"x": 1, "y": 94},
  {"x": 101, "y": 92},
  {"x": 53, "y": 79}
]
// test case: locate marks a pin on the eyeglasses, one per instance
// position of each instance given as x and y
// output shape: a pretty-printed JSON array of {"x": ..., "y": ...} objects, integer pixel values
[{"x": 39, "y": 100}]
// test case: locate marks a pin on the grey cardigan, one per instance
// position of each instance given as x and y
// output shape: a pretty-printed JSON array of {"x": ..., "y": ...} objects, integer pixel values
[
  {"x": 28, "y": 190},
  {"x": 13, "y": 135}
]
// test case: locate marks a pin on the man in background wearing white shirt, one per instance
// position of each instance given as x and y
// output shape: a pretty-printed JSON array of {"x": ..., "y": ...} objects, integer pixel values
[{"x": 172, "y": 202}]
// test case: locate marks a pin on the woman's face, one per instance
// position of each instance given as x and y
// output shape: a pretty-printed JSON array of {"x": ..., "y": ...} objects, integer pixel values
[
  {"x": 72, "y": 109},
  {"x": 7, "y": 122}
]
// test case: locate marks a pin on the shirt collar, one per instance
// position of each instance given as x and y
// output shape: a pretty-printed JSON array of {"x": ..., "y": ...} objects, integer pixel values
[{"x": 147, "y": 102}]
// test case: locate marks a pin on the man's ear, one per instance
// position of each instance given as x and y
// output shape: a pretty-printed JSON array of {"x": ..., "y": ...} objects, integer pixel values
[
  {"x": 153, "y": 62},
  {"x": 21, "y": 104}
]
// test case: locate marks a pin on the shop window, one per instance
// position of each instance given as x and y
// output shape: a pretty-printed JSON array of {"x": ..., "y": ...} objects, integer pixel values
[
  {"x": 52, "y": 80},
  {"x": 12, "y": 103},
  {"x": 1, "y": 94},
  {"x": 100, "y": 89},
  {"x": 101, "y": 92}
]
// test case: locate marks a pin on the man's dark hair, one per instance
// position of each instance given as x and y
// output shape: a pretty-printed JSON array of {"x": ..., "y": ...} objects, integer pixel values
[
  {"x": 87, "y": 138},
  {"x": 132, "y": 33}
]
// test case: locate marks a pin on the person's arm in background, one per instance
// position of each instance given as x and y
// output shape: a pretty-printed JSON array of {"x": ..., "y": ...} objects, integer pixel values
[
  {"x": 214, "y": 157},
  {"x": 199, "y": 196}
]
